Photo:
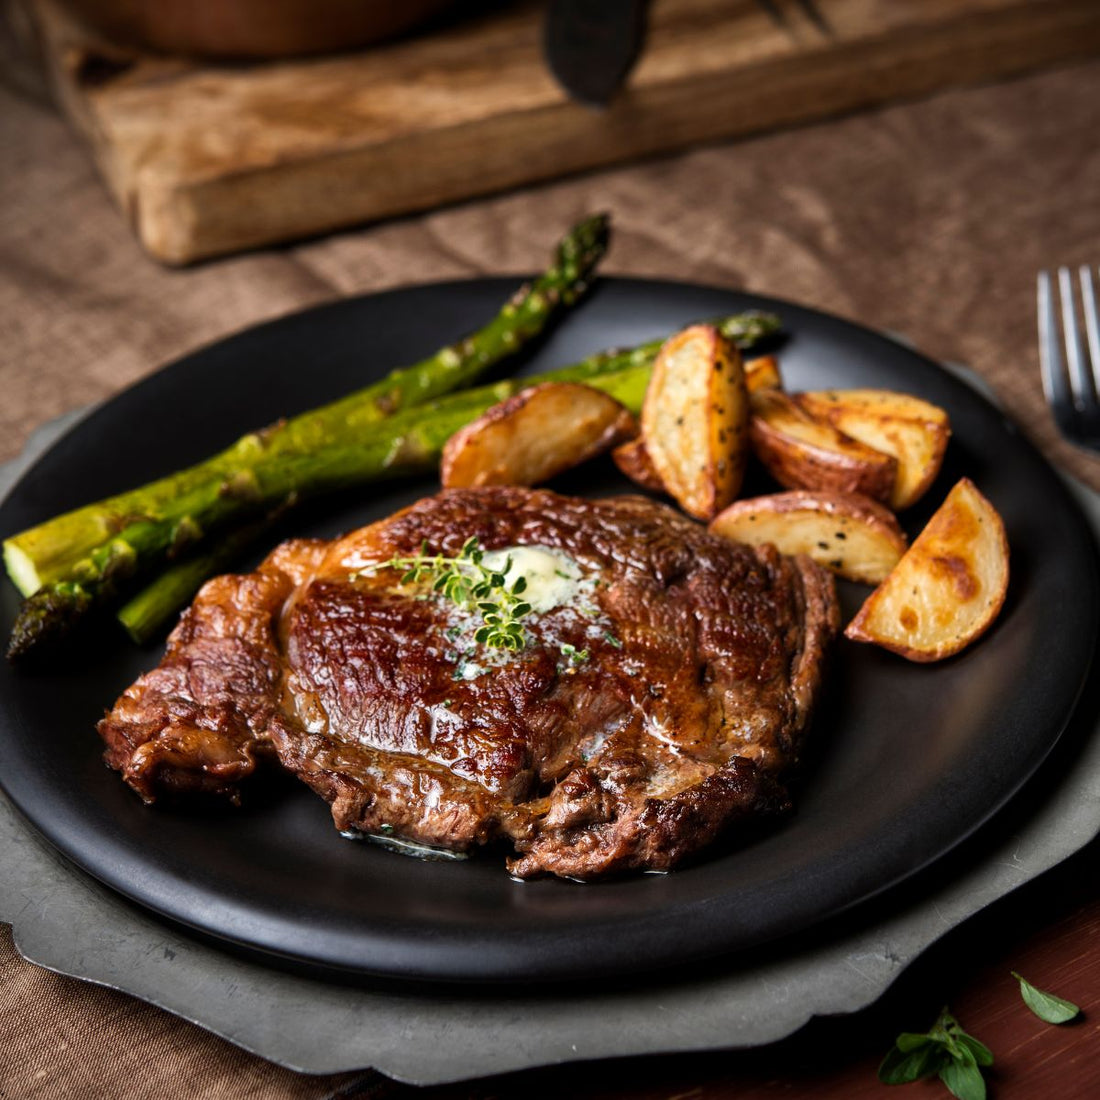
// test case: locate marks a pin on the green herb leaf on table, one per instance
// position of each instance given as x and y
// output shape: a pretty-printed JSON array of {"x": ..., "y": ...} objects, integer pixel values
[
  {"x": 962, "y": 1076},
  {"x": 910, "y": 1040},
  {"x": 946, "y": 1051},
  {"x": 901, "y": 1066},
  {"x": 982, "y": 1054},
  {"x": 1049, "y": 1009}
]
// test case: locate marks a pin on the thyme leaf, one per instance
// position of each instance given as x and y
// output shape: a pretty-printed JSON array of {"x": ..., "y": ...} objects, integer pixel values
[{"x": 468, "y": 583}]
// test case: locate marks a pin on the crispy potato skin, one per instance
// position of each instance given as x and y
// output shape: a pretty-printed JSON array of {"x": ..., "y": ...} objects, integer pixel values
[
  {"x": 948, "y": 588},
  {"x": 762, "y": 373},
  {"x": 886, "y": 403},
  {"x": 802, "y": 452},
  {"x": 633, "y": 460},
  {"x": 535, "y": 435},
  {"x": 850, "y": 534},
  {"x": 695, "y": 420},
  {"x": 915, "y": 432}
]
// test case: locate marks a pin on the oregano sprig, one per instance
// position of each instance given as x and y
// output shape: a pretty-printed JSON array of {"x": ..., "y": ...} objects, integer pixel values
[
  {"x": 467, "y": 582},
  {"x": 945, "y": 1050}
]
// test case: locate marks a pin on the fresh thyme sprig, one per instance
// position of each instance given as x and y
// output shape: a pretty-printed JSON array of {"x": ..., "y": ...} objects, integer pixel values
[{"x": 468, "y": 582}]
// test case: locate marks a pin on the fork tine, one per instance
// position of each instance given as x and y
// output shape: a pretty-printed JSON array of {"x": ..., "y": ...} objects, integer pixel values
[
  {"x": 1092, "y": 323},
  {"x": 1075, "y": 360},
  {"x": 1051, "y": 363}
]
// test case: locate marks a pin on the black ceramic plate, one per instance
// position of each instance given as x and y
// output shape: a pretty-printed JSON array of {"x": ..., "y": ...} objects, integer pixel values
[{"x": 910, "y": 759}]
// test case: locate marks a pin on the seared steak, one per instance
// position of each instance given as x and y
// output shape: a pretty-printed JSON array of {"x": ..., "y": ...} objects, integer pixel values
[{"x": 664, "y": 686}]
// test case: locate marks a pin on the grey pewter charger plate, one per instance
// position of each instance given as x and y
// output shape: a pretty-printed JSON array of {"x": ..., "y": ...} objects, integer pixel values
[{"x": 806, "y": 362}]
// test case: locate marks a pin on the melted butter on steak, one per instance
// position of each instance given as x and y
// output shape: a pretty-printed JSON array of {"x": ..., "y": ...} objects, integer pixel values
[
  {"x": 553, "y": 579},
  {"x": 704, "y": 657}
]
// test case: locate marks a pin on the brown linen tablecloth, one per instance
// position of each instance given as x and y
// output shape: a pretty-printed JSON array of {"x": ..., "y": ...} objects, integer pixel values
[{"x": 929, "y": 219}]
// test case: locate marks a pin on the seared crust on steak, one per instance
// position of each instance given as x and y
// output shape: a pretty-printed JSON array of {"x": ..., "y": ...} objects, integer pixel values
[{"x": 703, "y": 661}]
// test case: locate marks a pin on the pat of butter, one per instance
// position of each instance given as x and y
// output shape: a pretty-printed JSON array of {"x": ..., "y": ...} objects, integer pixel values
[{"x": 553, "y": 579}]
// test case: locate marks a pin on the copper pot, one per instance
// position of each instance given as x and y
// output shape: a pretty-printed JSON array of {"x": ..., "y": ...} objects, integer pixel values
[{"x": 253, "y": 28}]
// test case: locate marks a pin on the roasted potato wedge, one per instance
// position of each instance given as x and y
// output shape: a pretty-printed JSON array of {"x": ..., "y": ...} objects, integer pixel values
[
  {"x": 695, "y": 419},
  {"x": 947, "y": 589},
  {"x": 535, "y": 435},
  {"x": 803, "y": 452},
  {"x": 853, "y": 535},
  {"x": 633, "y": 459},
  {"x": 915, "y": 432},
  {"x": 763, "y": 373}
]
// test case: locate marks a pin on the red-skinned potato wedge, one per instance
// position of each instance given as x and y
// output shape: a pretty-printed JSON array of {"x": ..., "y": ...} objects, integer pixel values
[
  {"x": 695, "y": 420},
  {"x": 853, "y": 535},
  {"x": 633, "y": 459},
  {"x": 535, "y": 435},
  {"x": 947, "y": 589},
  {"x": 803, "y": 452},
  {"x": 763, "y": 373},
  {"x": 915, "y": 432}
]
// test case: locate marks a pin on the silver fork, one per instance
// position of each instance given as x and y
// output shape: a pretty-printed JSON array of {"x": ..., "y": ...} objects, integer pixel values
[{"x": 1071, "y": 365}]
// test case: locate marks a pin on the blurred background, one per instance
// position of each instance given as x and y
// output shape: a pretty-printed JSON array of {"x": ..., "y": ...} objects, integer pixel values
[
  {"x": 843, "y": 152},
  {"x": 221, "y": 125}
]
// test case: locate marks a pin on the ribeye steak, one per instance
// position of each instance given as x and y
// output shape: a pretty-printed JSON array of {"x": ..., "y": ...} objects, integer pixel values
[{"x": 664, "y": 685}]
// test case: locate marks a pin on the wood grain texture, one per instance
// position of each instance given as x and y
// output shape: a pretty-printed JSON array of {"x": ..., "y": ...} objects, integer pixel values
[{"x": 207, "y": 159}]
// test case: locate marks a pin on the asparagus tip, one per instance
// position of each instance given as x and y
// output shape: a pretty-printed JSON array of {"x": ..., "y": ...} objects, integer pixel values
[{"x": 45, "y": 618}]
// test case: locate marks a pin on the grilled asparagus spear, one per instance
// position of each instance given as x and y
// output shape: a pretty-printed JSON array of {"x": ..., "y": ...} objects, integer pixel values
[
  {"x": 145, "y": 614},
  {"x": 404, "y": 443},
  {"x": 69, "y": 548},
  {"x": 624, "y": 374}
]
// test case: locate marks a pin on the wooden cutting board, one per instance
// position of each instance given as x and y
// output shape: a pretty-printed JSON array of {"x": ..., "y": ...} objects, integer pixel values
[{"x": 208, "y": 158}]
